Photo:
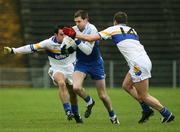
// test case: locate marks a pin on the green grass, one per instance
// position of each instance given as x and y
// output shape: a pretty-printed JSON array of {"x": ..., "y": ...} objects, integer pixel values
[{"x": 39, "y": 110}]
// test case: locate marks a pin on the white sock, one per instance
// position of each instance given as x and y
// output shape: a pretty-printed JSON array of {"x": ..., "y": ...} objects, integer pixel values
[{"x": 90, "y": 102}]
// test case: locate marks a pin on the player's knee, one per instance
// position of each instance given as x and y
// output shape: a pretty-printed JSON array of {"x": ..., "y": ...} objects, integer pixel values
[
  {"x": 76, "y": 88},
  {"x": 61, "y": 84},
  {"x": 102, "y": 96},
  {"x": 143, "y": 97}
]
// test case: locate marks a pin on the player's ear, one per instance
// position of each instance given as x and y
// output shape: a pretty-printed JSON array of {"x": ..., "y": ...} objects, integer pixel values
[
  {"x": 55, "y": 34},
  {"x": 114, "y": 22}
]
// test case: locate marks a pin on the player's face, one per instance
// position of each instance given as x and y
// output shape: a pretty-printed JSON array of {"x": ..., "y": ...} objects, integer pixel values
[
  {"x": 81, "y": 23},
  {"x": 59, "y": 36}
]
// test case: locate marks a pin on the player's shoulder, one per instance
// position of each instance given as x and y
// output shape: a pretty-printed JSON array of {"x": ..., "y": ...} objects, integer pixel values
[
  {"x": 49, "y": 41},
  {"x": 124, "y": 26},
  {"x": 75, "y": 28},
  {"x": 110, "y": 29},
  {"x": 91, "y": 26}
]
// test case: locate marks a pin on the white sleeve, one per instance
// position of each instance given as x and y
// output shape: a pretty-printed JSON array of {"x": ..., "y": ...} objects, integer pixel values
[
  {"x": 22, "y": 50},
  {"x": 86, "y": 47},
  {"x": 41, "y": 45},
  {"x": 31, "y": 47}
]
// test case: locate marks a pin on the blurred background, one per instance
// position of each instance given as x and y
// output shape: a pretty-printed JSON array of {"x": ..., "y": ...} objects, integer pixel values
[{"x": 29, "y": 21}]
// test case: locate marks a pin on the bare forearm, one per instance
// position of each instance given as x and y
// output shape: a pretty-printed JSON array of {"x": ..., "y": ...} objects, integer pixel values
[{"x": 90, "y": 38}]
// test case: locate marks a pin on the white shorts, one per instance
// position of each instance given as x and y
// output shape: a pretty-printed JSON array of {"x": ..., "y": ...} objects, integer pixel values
[
  {"x": 66, "y": 70},
  {"x": 140, "y": 68}
]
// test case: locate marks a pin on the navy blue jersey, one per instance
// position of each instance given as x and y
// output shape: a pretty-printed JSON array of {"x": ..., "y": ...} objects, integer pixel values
[{"x": 95, "y": 54}]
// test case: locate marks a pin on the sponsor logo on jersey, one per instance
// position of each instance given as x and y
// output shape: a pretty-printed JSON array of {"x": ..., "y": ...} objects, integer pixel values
[
  {"x": 137, "y": 70},
  {"x": 59, "y": 57}
]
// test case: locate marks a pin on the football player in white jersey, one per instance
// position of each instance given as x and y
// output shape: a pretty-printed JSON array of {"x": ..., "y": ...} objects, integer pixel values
[
  {"x": 61, "y": 68},
  {"x": 136, "y": 82}
]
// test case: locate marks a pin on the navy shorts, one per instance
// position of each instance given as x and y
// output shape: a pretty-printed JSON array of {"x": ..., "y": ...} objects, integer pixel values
[{"x": 94, "y": 69}]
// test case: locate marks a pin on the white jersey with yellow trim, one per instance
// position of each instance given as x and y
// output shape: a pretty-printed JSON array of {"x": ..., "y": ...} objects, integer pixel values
[
  {"x": 126, "y": 39},
  {"x": 53, "y": 49}
]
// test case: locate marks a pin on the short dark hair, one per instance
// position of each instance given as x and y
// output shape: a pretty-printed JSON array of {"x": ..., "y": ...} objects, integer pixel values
[
  {"x": 81, "y": 13},
  {"x": 120, "y": 17},
  {"x": 56, "y": 28}
]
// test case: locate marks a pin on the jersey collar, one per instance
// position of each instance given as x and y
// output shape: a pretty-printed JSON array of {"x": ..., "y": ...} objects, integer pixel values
[{"x": 54, "y": 39}]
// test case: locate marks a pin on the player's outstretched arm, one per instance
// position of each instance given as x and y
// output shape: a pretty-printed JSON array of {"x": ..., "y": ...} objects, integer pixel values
[
  {"x": 20, "y": 50},
  {"x": 90, "y": 38}
]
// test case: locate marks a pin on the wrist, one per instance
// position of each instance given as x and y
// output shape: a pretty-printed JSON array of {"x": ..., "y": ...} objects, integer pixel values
[{"x": 12, "y": 51}]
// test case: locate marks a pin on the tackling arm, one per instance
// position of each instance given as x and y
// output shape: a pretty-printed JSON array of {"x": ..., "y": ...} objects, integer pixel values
[
  {"x": 90, "y": 38},
  {"x": 72, "y": 33}
]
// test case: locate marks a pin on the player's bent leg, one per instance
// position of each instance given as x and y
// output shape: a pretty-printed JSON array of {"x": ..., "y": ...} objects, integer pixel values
[
  {"x": 63, "y": 94},
  {"x": 142, "y": 89},
  {"x": 78, "y": 78},
  {"x": 73, "y": 95},
  {"x": 129, "y": 88},
  {"x": 101, "y": 90}
]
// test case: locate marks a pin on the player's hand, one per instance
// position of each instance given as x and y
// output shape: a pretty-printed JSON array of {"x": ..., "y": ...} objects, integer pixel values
[
  {"x": 64, "y": 51},
  {"x": 69, "y": 31},
  {"x": 8, "y": 50}
]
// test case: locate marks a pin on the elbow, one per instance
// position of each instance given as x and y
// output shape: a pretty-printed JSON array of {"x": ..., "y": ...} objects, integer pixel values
[{"x": 88, "y": 52}]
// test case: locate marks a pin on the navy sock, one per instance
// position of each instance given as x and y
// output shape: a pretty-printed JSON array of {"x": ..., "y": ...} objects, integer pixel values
[
  {"x": 66, "y": 107},
  {"x": 144, "y": 106},
  {"x": 87, "y": 99},
  {"x": 111, "y": 113},
  {"x": 165, "y": 112},
  {"x": 74, "y": 108}
]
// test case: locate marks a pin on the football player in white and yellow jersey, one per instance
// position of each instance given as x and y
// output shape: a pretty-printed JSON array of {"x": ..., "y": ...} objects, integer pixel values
[
  {"x": 61, "y": 68},
  {"x": 136, "y": 82}
]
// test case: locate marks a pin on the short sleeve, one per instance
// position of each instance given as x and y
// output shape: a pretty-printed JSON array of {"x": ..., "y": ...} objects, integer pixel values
[
  {"x": 106, "y": 34},
  {"x": 41, "y": 45}
]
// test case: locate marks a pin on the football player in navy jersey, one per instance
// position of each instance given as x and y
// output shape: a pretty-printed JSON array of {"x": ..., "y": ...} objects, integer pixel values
[{"x": 90, "y": 62}]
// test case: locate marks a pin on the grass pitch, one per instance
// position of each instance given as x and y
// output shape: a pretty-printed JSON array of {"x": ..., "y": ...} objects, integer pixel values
[{"x": 39, "y": 110}]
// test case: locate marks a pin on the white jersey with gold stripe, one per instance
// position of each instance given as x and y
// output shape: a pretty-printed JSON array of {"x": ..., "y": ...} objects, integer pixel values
[
  {"x": 126, "y": 39},
  {"x": 53, "y": 49}
]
